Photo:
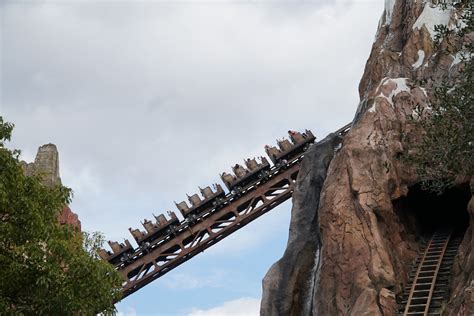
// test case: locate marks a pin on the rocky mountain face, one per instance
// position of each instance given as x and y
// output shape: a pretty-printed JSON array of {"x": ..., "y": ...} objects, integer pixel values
[
  {"x": 359, "y": 219},
  {"x": 46, "y": 165}
]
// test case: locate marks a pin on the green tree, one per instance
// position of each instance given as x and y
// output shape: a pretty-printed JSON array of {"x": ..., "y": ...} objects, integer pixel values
[
  {"x": 447, "y": 148},
  {"x": 46, "y": 268}
]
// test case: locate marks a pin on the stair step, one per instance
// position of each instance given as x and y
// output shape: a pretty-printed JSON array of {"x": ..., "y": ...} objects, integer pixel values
[
  {"x": 419, "y": 301},
  {"x": 431, "y": 270},
  {"x": 425, "y": 298},
  {"x": 427, "y": 273},
  {"x": 417, "y": 308},
  {"x": 423, "y": 286},
  {"x": 421, "y": 291}
]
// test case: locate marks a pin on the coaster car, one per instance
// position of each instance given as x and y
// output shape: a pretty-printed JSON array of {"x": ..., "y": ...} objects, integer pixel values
[
  {"x": 199, "y": 205},
  {"x": 287, "y": 150},
  {"x": 154, "y": 230},
  {"x": 243, "y": 176},
  {"x": 119, "y": 252}
]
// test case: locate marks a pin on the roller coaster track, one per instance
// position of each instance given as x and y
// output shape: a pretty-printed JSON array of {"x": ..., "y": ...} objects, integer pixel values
[
  {"x": 427, "y": 289},
  {"x": 191, "y": 237}
]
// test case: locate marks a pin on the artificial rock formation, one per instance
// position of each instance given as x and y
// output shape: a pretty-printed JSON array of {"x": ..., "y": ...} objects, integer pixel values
[
  {"x": 288, "y": 277},
  {"x": 46, "y": 165},
  {"x": 350, "y": 250}
]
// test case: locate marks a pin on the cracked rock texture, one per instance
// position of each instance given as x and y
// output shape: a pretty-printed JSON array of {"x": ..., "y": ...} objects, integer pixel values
[
  {"x": 46, "y": 165},
  {"x": 462, "y": 284},
  {"x": 349, "y": 250},
  {"x": 288, "y": 277}
]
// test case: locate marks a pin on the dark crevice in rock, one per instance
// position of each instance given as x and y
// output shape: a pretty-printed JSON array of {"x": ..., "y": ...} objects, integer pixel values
[
  {"x": 289, "y": 284},
  {"x": 423, "y": 212}
]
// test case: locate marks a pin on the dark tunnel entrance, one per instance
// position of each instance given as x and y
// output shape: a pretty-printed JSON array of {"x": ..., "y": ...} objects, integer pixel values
[{"x": 423, "y": 212}]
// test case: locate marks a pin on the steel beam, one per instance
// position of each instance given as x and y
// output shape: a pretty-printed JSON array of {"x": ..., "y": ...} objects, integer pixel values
[
  {"x": 191, "y": 238},
  {"x": 220, "y": 223}
]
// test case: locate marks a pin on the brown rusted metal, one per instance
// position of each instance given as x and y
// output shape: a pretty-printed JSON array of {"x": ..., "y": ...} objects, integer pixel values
[
  {"x": 344, "y": 130},
  {"x": 162, "y": 250},
  {"x": 154, "y": 230},
  {"x": 117, "y": 250},
  {"x": 421, "y": 292},
  {"x": 192, "y": 240},
  {"x": 286, "y": 148}
]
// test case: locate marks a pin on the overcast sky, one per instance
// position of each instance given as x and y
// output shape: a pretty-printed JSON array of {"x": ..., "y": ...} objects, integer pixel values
[{"x": 147, "y": 100}]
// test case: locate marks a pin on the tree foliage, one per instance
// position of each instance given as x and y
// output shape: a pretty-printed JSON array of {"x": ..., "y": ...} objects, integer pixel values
[
  {"x": 45, "y": 268},
  {"x": 447, "y": 148}
]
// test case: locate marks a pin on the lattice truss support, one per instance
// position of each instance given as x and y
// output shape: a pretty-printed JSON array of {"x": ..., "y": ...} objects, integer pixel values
[{"x": 189, "y": 240}]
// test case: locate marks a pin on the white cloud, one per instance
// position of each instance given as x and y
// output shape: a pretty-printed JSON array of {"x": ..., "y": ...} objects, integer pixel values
[
  {"x": 81, "y": 179},
  {"x": 187, "y": 281},
  {"x": 146, "y": 100},
  {"x": 130, "y": 311},
  {"x": 246, "y": 306}
]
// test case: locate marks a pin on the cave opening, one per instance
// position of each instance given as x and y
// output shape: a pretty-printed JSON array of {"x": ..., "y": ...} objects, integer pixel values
[{"x": 424, "y": 212}]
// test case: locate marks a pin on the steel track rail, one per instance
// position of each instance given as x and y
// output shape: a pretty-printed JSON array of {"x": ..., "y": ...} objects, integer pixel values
[
  {"x": 209, "y": 231},
  {"x": 190, "y": 239}
]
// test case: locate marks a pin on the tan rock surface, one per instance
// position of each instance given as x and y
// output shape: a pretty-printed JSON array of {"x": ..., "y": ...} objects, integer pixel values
[
  {"x": 289, "y": 285},
  {"x": 366, "y": 245},
  {"x": 46, "y": 165},
  {"x": 462, "y": 285}
]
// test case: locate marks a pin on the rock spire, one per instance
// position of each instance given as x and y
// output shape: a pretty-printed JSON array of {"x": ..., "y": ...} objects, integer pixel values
[{"x": 355, "y": 245}]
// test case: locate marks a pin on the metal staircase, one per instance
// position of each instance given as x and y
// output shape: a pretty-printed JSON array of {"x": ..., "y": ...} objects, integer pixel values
[{"x": 427, "y": 289}]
